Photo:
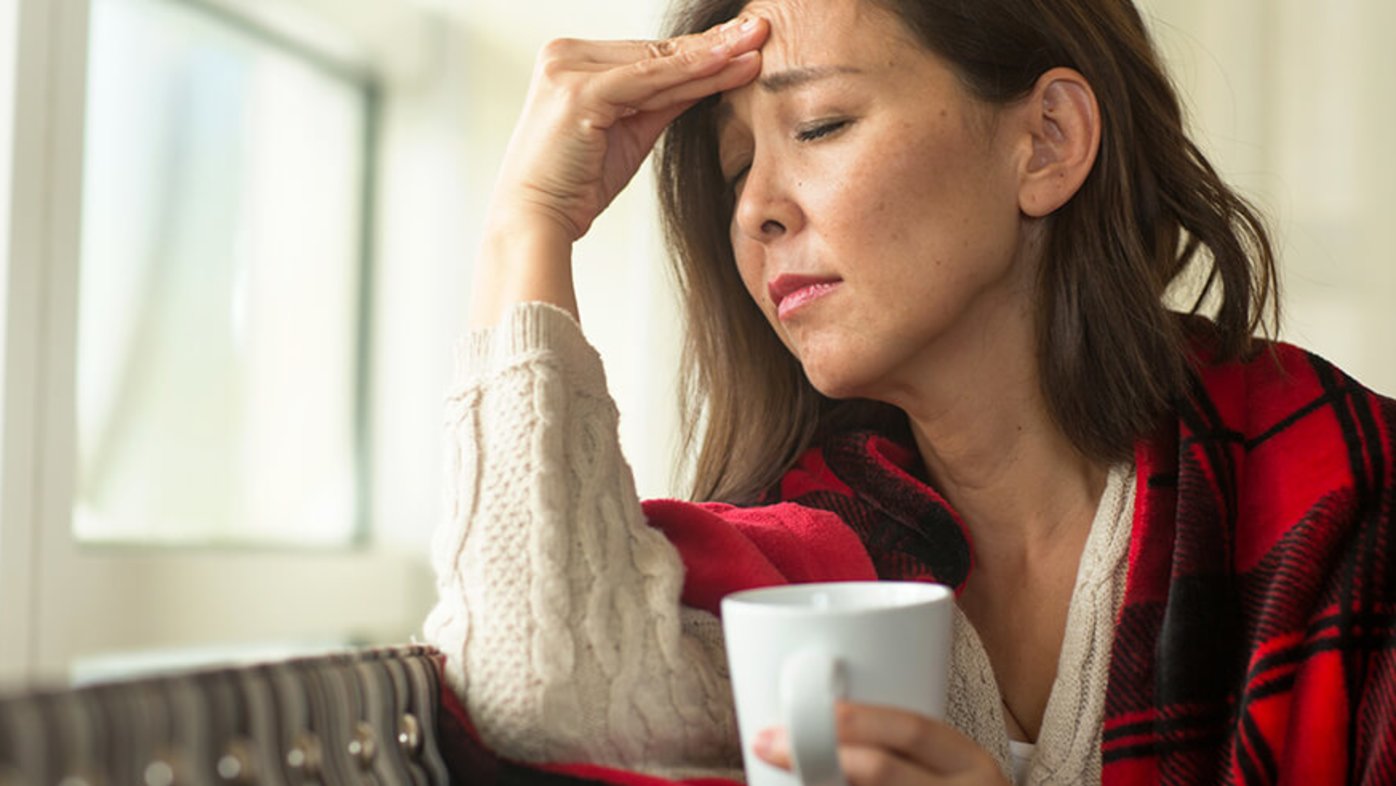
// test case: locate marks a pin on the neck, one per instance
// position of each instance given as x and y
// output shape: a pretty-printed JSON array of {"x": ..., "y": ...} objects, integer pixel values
[
  {"x": 1020, "y": 486},
  {"x": 991, "y": 447}
]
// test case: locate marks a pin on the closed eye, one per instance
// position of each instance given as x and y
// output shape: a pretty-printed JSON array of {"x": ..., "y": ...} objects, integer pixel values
[
  {"x": 820, "y": 130},
  {"x": 810, "y": 134},
  {"x": 734, "y": 182}
]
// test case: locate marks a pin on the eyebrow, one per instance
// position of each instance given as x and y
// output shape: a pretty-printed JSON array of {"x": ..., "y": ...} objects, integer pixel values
[
  {"x": 795, "y": 77},
  {"x": 789, "y": 80}
]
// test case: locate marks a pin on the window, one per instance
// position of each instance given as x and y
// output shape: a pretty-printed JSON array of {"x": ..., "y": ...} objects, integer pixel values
[
  {"x": 225, "y": 172},
  {"x": 220, "y": 340}
]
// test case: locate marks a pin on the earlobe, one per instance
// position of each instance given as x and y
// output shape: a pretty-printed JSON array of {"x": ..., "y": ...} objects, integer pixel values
[{"x": 1064, "y": 131}]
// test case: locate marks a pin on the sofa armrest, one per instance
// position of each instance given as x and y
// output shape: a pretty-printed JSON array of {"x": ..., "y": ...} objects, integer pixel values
[{"x": 365, "y": 716}]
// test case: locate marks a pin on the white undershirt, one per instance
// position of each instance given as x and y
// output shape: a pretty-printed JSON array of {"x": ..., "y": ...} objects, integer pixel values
[{"x": 1020, "y": 754}]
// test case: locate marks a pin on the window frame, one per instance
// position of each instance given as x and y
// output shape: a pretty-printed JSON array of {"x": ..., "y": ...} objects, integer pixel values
[{"x": 60, "y": 600}]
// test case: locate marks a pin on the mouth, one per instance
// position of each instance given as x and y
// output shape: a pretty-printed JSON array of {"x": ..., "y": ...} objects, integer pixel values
[{"x": 790, "y": 292}]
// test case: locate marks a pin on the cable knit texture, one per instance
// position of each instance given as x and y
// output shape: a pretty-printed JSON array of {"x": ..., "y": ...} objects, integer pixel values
[
  {"x": 1068, "y": 745},
  {"x": 559, "y": 607}
]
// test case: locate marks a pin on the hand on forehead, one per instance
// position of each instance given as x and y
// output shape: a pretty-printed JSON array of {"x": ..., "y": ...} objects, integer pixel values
[{"x": 810, "y": 38}]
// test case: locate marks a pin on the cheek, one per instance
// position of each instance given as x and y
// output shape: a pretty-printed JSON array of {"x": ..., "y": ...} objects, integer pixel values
[
  {"x": 749, "y": 268},
  {"x": 949, "y": 193}
]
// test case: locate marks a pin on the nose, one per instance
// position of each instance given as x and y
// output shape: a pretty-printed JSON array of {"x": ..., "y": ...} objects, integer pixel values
[{"x": 767, "y": 208}]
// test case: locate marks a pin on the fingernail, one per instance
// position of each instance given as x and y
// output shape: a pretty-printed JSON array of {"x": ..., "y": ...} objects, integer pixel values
[
  {"x": 762, "y": 743},
  {"x": 768, "y": 742},
  {"x": 750, "y": 24},
  {"x": 730, "y": 23}
]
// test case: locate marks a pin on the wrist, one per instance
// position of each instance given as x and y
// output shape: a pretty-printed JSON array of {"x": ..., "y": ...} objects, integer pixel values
[
  {"x": 522, "y": 211},
  {"x": 522, "y": 259},
  {"x": 518, "y": 218}
]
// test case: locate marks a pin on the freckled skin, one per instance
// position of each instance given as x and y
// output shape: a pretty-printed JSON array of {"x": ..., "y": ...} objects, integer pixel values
[{"x": 912, "y": 203}]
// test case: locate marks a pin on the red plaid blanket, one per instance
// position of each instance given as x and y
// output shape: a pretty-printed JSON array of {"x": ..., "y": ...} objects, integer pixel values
[{"x": 1257, "y": 640}]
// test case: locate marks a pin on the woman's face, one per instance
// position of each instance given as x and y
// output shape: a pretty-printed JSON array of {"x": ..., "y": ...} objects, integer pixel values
[{"x": 877, "y": 222}]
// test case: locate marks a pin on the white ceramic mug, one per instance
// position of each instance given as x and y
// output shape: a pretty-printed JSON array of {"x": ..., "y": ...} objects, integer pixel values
[{"x": 794, "y": 650}]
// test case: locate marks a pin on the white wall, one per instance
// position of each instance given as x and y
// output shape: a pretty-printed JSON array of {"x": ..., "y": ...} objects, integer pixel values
[{"x": 1293, "y": 102}]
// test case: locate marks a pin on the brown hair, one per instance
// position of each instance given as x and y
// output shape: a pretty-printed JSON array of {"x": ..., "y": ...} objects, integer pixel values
[{"x": 1113, "y": 358}]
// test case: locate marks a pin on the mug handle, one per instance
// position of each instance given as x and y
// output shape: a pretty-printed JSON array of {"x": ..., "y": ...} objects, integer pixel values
[{"x": 810, "y": 682}]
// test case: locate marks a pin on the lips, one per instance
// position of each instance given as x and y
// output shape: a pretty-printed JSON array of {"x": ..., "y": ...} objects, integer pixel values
[{"x": 790, "y": 292}]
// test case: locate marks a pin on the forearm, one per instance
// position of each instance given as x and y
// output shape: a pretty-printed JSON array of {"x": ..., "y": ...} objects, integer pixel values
[{"x": 521, "y": 261}]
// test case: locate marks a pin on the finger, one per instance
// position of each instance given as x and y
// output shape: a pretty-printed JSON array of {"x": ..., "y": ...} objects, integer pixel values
[
  {"x": 647, "y": 122},
  {"x": 863, "y": 765},
  {"x": 773, "y": 747},
  {"x": 563, "y": 55},
  {"x": 738, "y": 71},
  {"x": 637, "y": 82},
  {"x": 627, "y": 52},
  {"x": 932, "y": 744}
]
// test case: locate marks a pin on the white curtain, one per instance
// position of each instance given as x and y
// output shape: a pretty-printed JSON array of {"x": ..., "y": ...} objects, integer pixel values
[
  {"x": 1293, "y": 101},
  {"x": 218, "y": 304}
]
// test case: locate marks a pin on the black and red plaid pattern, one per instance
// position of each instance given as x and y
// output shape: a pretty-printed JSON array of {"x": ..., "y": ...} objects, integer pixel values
[{"x": 1257, "y": 643}]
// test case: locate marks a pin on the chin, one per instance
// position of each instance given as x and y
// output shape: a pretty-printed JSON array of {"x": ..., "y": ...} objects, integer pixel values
[
  {"x": 841, "y": 366},
  {"x": 837, "y": 384}
]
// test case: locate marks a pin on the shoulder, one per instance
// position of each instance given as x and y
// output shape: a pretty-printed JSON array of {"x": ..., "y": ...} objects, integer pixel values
[
  {"x": 1284, "y": 392},
  {"x": 1280, "y": 387},
  {"x": 1307, "y": 444}
]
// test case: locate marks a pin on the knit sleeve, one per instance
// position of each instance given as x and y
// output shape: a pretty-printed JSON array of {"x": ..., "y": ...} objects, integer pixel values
[{"x": 558, "y": 607}]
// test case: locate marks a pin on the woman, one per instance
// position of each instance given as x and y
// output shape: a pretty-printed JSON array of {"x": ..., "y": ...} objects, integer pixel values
[{"x": 925, "y": 247}]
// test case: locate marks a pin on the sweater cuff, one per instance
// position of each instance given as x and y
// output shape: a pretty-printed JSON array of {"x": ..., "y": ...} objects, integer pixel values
[{"x": 530, "y": 332}]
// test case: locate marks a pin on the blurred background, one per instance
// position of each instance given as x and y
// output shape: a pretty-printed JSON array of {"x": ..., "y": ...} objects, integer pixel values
[{"x": 237, "y": 238}]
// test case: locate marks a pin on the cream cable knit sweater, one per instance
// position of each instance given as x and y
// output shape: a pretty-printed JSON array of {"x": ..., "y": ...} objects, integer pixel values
[{"x": 559, "y": 609}]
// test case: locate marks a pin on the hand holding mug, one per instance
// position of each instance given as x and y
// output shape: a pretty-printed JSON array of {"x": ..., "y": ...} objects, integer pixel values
[
  {"x": 796, "y": 652},
  {"x": 886, "y": 746}
]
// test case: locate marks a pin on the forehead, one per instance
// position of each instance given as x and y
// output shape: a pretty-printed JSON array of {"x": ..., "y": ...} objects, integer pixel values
[
  {"x": 811, "y": 39},
  {"x": 805, "y": 29}
]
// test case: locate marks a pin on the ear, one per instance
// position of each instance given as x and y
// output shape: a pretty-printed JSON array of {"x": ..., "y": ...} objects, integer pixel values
[{"x": 1063, "y": 124}]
